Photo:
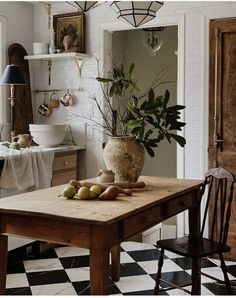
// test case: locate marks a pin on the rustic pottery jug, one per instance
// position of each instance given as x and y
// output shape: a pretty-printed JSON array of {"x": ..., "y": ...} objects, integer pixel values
[
  {"x": 125, "y": 157},
  {"x": 25, "y": 139},
  {"x": 105, "y": 176}
]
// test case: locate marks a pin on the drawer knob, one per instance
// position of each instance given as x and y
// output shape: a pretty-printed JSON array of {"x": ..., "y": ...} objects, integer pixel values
[{"x": 66, "y": 163}]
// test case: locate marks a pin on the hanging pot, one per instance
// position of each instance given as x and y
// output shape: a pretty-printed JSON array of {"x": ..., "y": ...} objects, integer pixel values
[
  {"x": 54, "y": 101},
  {"x": 125, "y": 157},
  {"x": 44, "y": 109},
  {"x": 67, "y": 99}
]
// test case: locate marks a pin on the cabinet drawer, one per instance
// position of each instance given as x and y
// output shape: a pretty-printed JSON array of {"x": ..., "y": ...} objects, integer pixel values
[
  {"x": 63, "y": 178},
  {"x": 64, "y": 161}
]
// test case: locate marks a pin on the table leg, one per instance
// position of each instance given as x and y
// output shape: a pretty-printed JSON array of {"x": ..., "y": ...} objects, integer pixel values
[
  {"x": 99, "y": 271},
  {"x": 115, "y": 261},
  {"x": 194, "y": 232},
  {"x": 196, "y": 277},
  {"x": 3, "y": 263}
]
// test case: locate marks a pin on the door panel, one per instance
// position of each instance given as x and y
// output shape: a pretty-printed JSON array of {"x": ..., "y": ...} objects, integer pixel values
[{"x": 222, "y": 106}]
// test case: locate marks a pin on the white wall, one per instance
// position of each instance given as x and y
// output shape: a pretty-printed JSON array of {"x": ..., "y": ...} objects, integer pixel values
[
  {"x": 195, "y": 80},
  {"x": 17, "y": 18}
]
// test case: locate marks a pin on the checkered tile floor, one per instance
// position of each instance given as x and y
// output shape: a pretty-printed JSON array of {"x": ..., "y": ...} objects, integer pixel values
[{"x": 65, "y": 271}]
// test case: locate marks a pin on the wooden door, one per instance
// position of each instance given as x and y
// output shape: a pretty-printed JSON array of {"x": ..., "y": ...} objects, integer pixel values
[{"x": 222, "y": 105}]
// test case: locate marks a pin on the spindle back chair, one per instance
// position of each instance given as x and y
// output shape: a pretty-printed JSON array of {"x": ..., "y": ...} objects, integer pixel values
[{"x": 219, "y": 188}]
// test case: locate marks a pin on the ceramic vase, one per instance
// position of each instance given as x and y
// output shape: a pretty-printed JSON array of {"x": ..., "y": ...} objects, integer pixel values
[
  {"x": 52, "y": 48},
  {"x": 125, "y": 157}
]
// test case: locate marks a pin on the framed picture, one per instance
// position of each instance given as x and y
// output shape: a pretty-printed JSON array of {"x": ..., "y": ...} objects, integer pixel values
[{"x": 70, "y": 32}]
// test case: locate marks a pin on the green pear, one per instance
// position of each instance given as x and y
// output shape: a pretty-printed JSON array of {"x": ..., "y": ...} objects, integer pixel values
[
  {"x": 6, "y": 144},
  {"x": 84, "y": 193},
  {"x": 97, "y": 189},
  {"x": 69, "y": 192},
  {"x": 93, "y": 194}
]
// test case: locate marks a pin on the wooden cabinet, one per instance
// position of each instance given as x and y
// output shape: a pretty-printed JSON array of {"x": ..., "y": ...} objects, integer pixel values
[{"x": 64, "y": 167}]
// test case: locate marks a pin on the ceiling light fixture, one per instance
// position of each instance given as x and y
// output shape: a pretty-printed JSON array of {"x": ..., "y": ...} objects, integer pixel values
[
  {"x": 136, "y": 13},
  {"x": 152, "y": 40},
  {"x": 83, "y": 6}
]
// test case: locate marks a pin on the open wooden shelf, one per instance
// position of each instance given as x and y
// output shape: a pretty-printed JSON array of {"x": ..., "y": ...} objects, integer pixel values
[{"x": 60, "y": 56}]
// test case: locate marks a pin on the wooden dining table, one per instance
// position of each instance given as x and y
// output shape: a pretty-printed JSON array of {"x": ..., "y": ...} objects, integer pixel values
[{"x": 97, "y": 225}]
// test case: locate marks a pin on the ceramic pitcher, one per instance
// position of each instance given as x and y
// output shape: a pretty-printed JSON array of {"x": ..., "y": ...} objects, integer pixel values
[
  {"x": 105, "y": 176},
  {"x": 25, "y": 139}
]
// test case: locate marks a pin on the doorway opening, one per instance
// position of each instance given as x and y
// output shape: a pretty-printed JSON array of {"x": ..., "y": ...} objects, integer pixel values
[
  {"x": 130, "y": 46},
  {"x": 127, "y": 46}
]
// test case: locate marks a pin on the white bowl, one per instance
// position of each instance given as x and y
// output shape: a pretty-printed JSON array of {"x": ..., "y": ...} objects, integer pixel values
[
  {"x": 48, "y": 135},
  {"x": 40, "y": 48}
]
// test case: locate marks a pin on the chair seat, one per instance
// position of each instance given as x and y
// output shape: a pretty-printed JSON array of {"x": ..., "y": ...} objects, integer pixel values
[{"x": 185, "y": 246}]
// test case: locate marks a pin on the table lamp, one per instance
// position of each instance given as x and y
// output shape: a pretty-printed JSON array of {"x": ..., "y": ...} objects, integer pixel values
[{"x": 12, "y": 76}]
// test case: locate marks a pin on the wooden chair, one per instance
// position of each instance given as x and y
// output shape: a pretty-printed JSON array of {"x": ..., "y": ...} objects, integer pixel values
[{"x": 220, "y": 185}]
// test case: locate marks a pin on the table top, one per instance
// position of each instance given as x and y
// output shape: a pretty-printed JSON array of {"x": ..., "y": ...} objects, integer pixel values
[{"x": 46, "y": 203}]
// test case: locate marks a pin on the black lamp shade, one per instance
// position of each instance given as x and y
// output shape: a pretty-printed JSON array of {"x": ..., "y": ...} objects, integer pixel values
[
  {"x": 136, "y": 13},
  {"x": 12, "y": 76}
]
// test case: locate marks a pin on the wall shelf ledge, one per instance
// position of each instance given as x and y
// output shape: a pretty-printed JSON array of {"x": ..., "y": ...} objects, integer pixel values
[{"x": 60, "y": 56}]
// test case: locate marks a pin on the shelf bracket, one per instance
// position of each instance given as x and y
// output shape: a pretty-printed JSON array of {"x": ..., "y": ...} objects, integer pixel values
[
  {"x": 48, "y": 8},
  {"x": 79, "y": 66},
  {"x": 49, "y": 71}
]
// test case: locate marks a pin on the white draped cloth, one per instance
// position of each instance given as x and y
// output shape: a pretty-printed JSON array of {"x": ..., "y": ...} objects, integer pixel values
[{"x": 26, "y": 168}]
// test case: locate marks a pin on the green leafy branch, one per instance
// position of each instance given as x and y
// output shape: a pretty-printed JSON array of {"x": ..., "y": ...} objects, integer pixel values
[
  {"x": 153, "y": 120},
  {"x": 149, "y": 118}
]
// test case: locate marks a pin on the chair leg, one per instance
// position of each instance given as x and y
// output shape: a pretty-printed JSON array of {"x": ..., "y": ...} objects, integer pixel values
[
  {"x": 196, "y": 277},
  {"x": 160, "y": 264},
  {"x": 224, "y": 270}
]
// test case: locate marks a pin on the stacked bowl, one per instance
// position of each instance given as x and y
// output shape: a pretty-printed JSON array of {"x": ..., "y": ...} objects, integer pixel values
[
  {"x": 40, "y": 48},
  {"x": 48, "y": 135}
]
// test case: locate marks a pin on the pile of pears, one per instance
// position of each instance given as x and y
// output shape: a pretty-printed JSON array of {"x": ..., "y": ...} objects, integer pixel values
[{"x": 82, "y": 193}]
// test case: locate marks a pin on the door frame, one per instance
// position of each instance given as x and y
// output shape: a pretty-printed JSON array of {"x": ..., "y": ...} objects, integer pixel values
[{"x": 173, "y": 20}]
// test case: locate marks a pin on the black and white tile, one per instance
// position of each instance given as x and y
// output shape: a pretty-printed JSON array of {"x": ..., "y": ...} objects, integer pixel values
[{"x": 65, "y": 271}]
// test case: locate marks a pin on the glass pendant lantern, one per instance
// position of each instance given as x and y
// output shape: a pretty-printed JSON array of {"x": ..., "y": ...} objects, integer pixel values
[{"x": 152, "y": 39}]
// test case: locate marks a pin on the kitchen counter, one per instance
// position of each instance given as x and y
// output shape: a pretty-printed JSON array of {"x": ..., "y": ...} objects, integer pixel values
[{"x": 62, "y": 148}]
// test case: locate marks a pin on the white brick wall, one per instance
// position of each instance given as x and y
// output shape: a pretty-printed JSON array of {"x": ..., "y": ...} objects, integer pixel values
[{"x": 65, "y": 74}]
